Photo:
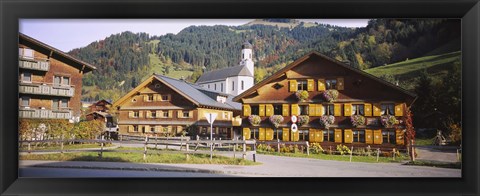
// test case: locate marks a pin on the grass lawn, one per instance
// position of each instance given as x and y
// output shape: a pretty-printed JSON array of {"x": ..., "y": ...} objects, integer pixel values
[
  {"x": 67, "y": 147},
  {"x": 153, "y": 156},
  {"x": 424, "y": 141},
  {"x": 366, "y": 159},
  {"x": 456, "y": 165}
]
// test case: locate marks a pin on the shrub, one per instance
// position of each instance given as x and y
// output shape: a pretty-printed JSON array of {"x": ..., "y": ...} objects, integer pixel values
[
  {"x": 276, "y": 120},
  {"x": 455, "y": 133},
  {"x": 265, "y": 148},
  {"x": 330, "y": 95},
  {"x": 327, "y": 120},
  {"x": 303, "y": 120},
  {"x": 357, "y": 120},
  {"x": 388, "y": 121},
  {"x": 302, "y": 95},
  {"x": 254, "y": 120},
  {"x": 284, "y": 148},
  {"x": 342, "y": 149},
  {"x": 316, "y": 148}
]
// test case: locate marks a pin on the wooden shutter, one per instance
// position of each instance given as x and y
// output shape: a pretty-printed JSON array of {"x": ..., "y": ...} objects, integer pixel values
[
  {"x": 377, "y": 109},
  {"x": 311, "y": 110},
  {"x": 149, "y": 114},
  {"x": 319, "y": 136},
  {"x": 321, "y": 85},
  {"x": 368, "y": 109},
  {"x": 140, "y": 114},
  {"x": 130, "y": 114},
  {"x": 311, "y": 135},
  {"x": 337, "y": 110},
  {"x": 246, "y": 133},
  {"x": 318, "y": 109},
  {"x": 170, "y": 114},
  {"x": 179, "y": 114},
  {"x": 295, "y": 110},
  {"x": 190, "y": 114},
  {"x": 368, "y": 136},
  {"x": 400, "y": 140},
  {"x": 377, "y": 137},
  {"x": 261, "y": 110},
  {"x": 293, "y": 85},
  {"x": 261, "y": 134},
  {"x": 145, "y": 98},
  {"x": 268, "y": 110},
  {"x": 130, "y": 128},
  {"x": 247, "y": 111},
  {"x": 348, "y": 136},
  {"x": 285, "y": 110},
  {"x": 296, "y": 136},
  {"x": 399, "y": 109},
  {"x": 147, "y": 128},
  {"x": 338, "y": 136},
  {"x": 340, "y": 84},
  {"x": 347, "y": 111},
  {"x": 158, "y": 128},
  {"x": 310, "y": 84},
  {"x": 158, "y": 114},
  {"x": 286, "y": 134},
  {"x": 269, "y": 134}
]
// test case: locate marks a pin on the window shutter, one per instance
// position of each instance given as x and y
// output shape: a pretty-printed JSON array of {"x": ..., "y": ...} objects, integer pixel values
[
  {"x": 246, "y": 133},
  {"x": 147, "y": 128},
  {"x": 149, "y": 114},
  {"x": 157, "y": 128},
  {"x": 155, "y": 97},
  {"x": 179, "y": 114},
  {"x": 293, "y": 86},
  {"x": 158, "y": 114},
  {"x": 286, "y": 134},
  {"x": 190, "y": 114},
  {"x": 268, "y": 110},
  {"x": 285, "y": 110},
  {"x": 338, "y": 136},
  {"x": 400, "y": 140},
  {"x": 261, "y": 110},
  {"x": 340, "y": 84},
  {"x": 246, "y": 110},
  {"x": 311, "y": 135},
  {"x": 321, "y": 85},
  {"x": 337, "y": 110},
  {"x": 377, "y": 137},
  {"x": 347, "y": 109},
  {"x": 319, "y": 135},
  {"x": 261, "y": 134},
  {"x": 368, "y": 109},
  {"x": 295, "y": 110},
  {"x": 130, "y": 128},
  {"x": 399, "y": 109},
  {"x": 295, "y": 136},
  {"x": 311, "y": 109},
  {"x": 145, "y": 98},
  {"x": 377, "y": 110},
  {"x": 368, "y": 136},
  {"x": 170, "y": 113},
  {"x": 140, "y": 114},
  {"x": 348, "y": 136},
  {"x": 269, "y": 134},
  {"x": 310, "y": 84},
  {"x": 130, "y": 114},
  {"x": 319, "y": 110}
]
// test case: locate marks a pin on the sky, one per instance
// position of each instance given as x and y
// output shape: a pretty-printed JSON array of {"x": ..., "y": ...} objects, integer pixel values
[{"x": 68, "y": 34}]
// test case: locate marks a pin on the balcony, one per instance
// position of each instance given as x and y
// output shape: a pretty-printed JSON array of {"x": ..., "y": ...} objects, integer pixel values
[
  {"x": 46, "y": 89},
  {"x": 34, "y": 64},
  {"x": 44, "y": 114}
]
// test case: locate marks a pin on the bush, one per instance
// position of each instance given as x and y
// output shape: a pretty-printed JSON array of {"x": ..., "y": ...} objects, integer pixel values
[
  {"x": 342, "y": 149},
  {"x": 316, "y": 148},
  {"x": 455, "y": 135},
  {"x": 302, "y": 95},
  {"x": 265, "y": 148},
  {"x": 254, "y": 120},
  {"x": 303, "y": 120}
]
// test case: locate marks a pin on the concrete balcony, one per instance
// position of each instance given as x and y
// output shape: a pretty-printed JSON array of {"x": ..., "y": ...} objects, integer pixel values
[
  {"x": 34, "y": 64},
  {"x": 46, "y": 89},
  {"x": 44, "y": 114}
]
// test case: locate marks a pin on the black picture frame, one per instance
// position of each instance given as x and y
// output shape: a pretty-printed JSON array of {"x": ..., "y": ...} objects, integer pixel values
[{"x": 12, "y": 11}]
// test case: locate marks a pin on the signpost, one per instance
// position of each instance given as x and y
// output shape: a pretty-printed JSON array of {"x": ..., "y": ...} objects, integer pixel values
[
  {"x": 210, "y": 119},
  {"x": 294, "y": 126}
]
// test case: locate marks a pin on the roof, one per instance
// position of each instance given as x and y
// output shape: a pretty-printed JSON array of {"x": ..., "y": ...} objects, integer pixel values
[
  {"x": 86, "y": 67},
  {"x": 224, "y": 73},
  {"x": 104, "y": 114},
  {"x": 247, "y": 45},
  {"x": 307, "y": 56}
]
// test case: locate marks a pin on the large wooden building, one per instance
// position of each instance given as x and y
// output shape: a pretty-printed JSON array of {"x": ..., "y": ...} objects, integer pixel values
[
  {"x": 161, "y": 105},
  {"x": 338, "y": 104},
  {"x": 50, "y": 81}
]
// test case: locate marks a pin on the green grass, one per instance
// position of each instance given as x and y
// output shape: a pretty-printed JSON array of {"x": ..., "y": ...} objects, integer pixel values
[
  {"x": 423, "y": 141},
  {"x": 366, "y": 159},
  {"x": 66, "y": 146},
  {"x": 153, "y": 156},
  {"x": 456, "y": 165}
]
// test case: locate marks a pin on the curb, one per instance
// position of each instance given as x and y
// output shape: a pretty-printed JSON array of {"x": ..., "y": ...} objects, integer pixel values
[{"x": 133, "y": 169}]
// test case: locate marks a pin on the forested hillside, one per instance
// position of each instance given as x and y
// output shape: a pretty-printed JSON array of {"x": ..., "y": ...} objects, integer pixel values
[{"x": 124, "y": 59}]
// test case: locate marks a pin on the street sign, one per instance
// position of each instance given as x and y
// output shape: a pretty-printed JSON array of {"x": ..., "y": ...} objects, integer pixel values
[
  {"x": 294, "y": 119},
  {"x": 210, "y": 117},
  {"x": 294, "y": 128}
]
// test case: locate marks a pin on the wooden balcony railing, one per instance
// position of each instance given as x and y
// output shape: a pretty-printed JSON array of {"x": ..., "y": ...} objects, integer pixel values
[
  {"x": 34, "y": 64},
  {"x": 46, "y": 89},
  {"x": 44, "y": 114}
]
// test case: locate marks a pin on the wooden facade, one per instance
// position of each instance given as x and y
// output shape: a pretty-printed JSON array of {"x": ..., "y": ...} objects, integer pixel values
[
  {"x": 50, "y": 81},
  {"x": 100, "y": 106},
  {"x": 160, "y": 107},
  {"x": 359, "y": 94}
]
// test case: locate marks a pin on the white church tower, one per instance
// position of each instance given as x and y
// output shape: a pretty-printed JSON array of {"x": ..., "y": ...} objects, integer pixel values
[{"x": 247, "y": 56}]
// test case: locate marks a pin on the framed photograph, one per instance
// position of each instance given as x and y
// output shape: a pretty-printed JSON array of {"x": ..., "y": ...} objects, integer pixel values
[{"x": 223, "y": 97}]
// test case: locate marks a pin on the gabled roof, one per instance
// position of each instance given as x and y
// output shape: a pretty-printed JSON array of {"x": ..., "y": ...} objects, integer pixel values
[
  {"x": 194, "y": 93},
  {"x": 104, "y": 114},
  {"x": 224, "y": 73},
  {"x": 81, "y": 65},
  {"x": 304, "y": 58}
]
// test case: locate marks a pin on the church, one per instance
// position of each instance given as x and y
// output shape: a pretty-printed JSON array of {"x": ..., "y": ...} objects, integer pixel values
[{"x": 231, "y": 80}]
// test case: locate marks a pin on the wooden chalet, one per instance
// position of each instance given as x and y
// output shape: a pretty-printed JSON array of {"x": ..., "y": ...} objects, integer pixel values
[
  {"x": 161, "y": 105},
  {"x": 361, "y": 98},
  {"x": 100, "y": 106}
]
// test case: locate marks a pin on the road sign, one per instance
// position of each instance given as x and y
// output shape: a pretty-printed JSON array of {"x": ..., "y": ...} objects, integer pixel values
[
  {"x": 294, "y": 119},
  {"x": 210, "y": 117},
  {"x": 294, "y": 128}
]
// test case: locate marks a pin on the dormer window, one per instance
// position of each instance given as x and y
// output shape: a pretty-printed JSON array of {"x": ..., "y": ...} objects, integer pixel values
[{"x": 221, "y": 99}]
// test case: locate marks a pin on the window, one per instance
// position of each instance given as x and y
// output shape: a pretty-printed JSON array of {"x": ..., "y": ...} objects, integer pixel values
[
  {"x": 303, "y": 109},
  {"x": 215, "y": 88},
  {"x": 387, "y": 108},
  {"x": 165, "y": 97},
  {"x": 153, "y": 114},
  {"x": 277, "y": 109},
  {"x": 27, "y": 77},
  {"x": 150, "y": 97},
  {"x": 165, "y": 114},
  {"x": 64, "y": 103},
  {"x": 186, "y": 114},
  {"x": 136, "y": 114},
  {"x": 359, "y": 136},
  {"x": 233, "y": 85},
  {"x": 26, "y": 53},
  {"x": 57, "y": 80},
  {"x": 25, "y": 101},
  {"x": 66, "y": 81},
  {"x": 55, "y": 104},
  {"x": 254, "y": 133},
  {"x": 221, "y": 87},
  {"x": 303, "y": 135},
  {"x": 243, "y": 84},
  {"x": 208, "y": 86},
  {"x": 331, "y": 84},
  {"x": 388, "y": 136},
  {"x": 328, "y": 109},
  {"x": 301, "y": 85},
  {"x": 225, "y": 115},
  {"x": 328, "y": 136},
  {"x": 135, "y": 128},
  {"x": 358, "y": 109},
  {"x": 152, "y": 129},
  {"x": 255, "y": 110},
  {"x": 134, "y": 100}
]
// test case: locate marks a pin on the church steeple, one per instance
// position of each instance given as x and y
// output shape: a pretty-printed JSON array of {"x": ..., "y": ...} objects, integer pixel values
[{"x": 247, "y": 56}]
